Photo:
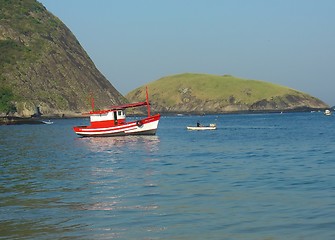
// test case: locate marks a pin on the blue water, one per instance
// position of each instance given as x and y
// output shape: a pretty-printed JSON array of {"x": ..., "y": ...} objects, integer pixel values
[{"x": 262, "y": 176}]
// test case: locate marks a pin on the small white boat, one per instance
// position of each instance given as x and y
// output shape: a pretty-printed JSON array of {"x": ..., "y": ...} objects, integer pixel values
[
  {"x": 211, "y": 126},
  {"x": 47, "y": 122},
  {"x": 327, "y": 112}
]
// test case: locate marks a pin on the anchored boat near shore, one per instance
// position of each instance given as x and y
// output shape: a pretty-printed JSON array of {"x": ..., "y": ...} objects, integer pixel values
[
  {"x": 11, "y": 120},
  {"x": 112, "y": 122}
]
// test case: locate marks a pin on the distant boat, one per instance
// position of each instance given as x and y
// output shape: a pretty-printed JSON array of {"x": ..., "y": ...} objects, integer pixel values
[
  {"x": 327, "y": 112},
  {"x": 112, "y": 122},
  {"x": 47, "y": 122},
  {"x": 211, "y": 126}
]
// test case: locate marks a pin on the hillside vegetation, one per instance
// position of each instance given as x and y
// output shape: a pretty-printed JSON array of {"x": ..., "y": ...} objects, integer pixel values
[
  {"x": 205, "y": 93},
  {"x": 42, "y": 64}
]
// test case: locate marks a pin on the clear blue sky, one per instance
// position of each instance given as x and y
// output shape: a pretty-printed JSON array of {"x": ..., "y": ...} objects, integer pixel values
[{"x": 133, "y": 42}]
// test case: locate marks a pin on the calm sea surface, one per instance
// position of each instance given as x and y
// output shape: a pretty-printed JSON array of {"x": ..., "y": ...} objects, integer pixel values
[{"x": 262, "y": 176}]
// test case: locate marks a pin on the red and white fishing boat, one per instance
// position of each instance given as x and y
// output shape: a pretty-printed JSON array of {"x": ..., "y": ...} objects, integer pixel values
[{"x": 112, "y": 122}]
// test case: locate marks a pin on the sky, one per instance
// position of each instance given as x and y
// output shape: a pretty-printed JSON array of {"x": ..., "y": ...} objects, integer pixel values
[{"x": 134, "y": 42}]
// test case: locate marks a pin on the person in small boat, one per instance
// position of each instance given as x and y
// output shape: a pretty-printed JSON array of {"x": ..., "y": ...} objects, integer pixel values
[{"x": 198, "y": 124}]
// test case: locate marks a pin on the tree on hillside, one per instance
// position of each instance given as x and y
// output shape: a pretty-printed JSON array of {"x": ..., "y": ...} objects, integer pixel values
[{"x": 6, "y": 101}]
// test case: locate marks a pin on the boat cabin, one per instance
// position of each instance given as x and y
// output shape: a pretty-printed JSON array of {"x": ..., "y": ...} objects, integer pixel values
[{"x": 107, "y": 118}]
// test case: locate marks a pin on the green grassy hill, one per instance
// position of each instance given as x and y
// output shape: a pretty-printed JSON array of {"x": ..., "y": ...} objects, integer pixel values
[{"x": 205, "y": 93}]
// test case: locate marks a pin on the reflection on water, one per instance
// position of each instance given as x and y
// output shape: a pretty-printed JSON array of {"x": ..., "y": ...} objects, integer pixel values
[
  {"x": 121, "y": 183},
  {"x": 113, "y": 206},
  {"x": 121, "y": 143}
]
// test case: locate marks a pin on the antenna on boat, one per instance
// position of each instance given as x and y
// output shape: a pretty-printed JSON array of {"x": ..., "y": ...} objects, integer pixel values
[{"x": 147, "y": 99}]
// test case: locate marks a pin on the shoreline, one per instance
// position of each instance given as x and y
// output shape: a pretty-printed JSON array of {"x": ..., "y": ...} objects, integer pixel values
[
  {"x": 16, "y": 120},
  {"x": 10, "y": 120}
]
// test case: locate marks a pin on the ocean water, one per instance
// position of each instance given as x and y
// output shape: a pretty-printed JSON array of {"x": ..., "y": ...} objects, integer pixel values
[{"x": 261, "y": 176}]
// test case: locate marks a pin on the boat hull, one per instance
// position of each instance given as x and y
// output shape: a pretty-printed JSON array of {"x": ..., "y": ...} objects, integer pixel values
[
  {"x": 146, "y": 126},
  {"x": 201, "y": 128}
]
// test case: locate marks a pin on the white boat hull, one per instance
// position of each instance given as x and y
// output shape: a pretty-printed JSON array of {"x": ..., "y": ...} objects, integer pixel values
[{"x": 201, "y": 128}]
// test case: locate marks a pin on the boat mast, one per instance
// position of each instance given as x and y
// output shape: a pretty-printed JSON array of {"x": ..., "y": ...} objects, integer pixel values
[{"x": 147, "y": 99}]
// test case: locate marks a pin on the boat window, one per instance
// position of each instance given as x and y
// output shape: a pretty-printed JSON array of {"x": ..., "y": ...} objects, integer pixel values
[{"x": 120, "y": 112}]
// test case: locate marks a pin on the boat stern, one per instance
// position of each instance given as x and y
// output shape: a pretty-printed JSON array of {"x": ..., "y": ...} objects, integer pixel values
[{"x": 146, "y": 126}]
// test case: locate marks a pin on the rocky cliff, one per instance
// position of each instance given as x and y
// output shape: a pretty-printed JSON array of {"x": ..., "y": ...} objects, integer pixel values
[
  {"x": 43, "y": 65},
  {"x": 205, "y": 93}
]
